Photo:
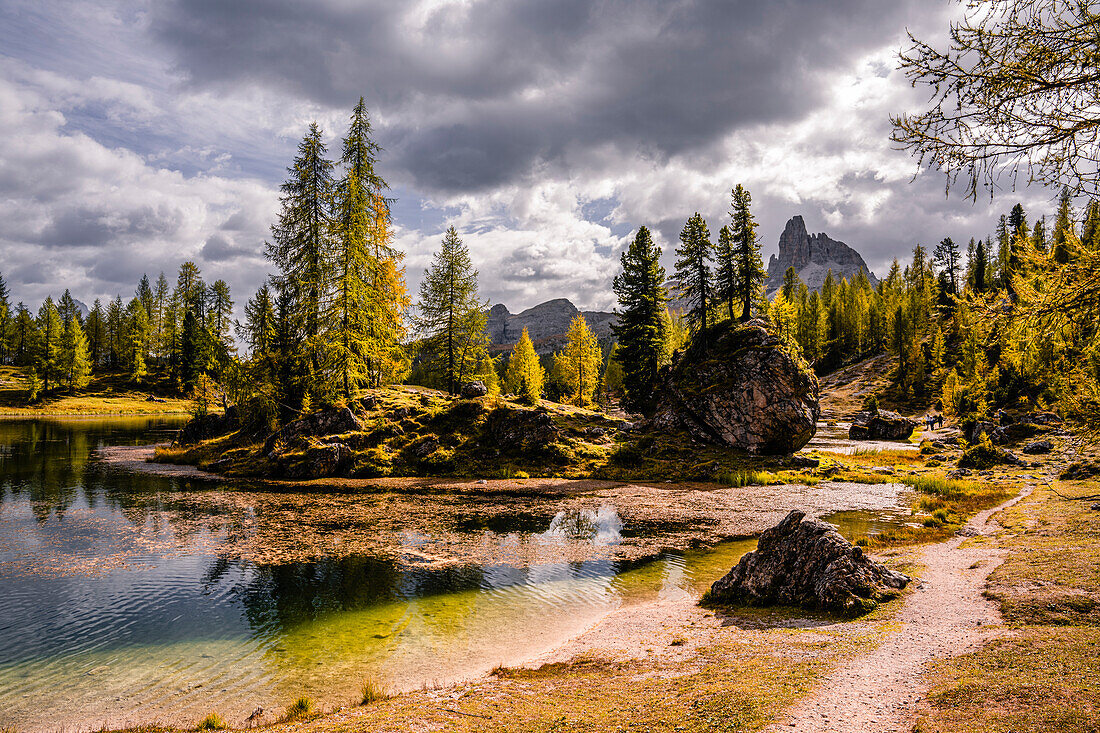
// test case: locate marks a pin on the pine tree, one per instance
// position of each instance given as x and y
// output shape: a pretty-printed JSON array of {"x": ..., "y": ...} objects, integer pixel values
[
  {"x": 452, "y": 317},
  {"x": 978, "y": 279},
  {"x": 525, "y": 376},
  {"x": 144, "y": 294},
  {"x": 6, "y": 323},
  {"x": 1090, "y": 229},
  {"x": 350, "y": 316},
  {"x": 693, "y": 275},
  {"x": 1039, "y": 235},
  {"x": 301, "y": 243},
  {"x": 161, "y": 303},
  {"x": 581, "y": 361},
  {"x": 259, "y": 331},
  {"x": 48, "y": 354},
  {"x": 726, "y": 275},
  {"x": 219, "y": 313},
  {"x": 750, "y": 269},
  {"x": 75, "y": 366},
  {"x": 136, "y": 332},
  {"x": 67, "y": 308},
  {"x": 1063, "y": 228},
  {"x": 386, "y": 298},
  {"x": 24, "y": 337},
  {"x": 640, "y": 318},
  {"x": 791, "y": 283},
  {"x": 947, "y": 257}
]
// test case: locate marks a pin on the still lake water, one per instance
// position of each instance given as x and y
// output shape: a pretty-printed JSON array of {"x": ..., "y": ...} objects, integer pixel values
[{"x": 121, "y": 604}]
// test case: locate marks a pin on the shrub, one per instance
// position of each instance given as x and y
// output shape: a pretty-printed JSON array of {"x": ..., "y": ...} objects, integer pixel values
[
  {"x": 372, "y": 691},
  {"x": 213, "y": 721},
  {"x": 300, "y": 708}
]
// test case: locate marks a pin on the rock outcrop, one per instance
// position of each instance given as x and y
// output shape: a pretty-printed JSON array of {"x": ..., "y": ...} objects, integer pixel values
[
  {"x": 512, "y": 429},
  {"x": 812, "y": 257},
  {"x": 332, "y": 421},
  {"x": 808, "y": 564},
  {"x": 881, "y": 425},
  {"x": 474, "y": 389},
  {"x": 744, "y": 390},
  {"x": 546, "y": 323}
]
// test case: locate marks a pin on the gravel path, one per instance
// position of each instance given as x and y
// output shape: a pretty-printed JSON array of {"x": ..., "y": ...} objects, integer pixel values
[{"x": 946, "y": 615}]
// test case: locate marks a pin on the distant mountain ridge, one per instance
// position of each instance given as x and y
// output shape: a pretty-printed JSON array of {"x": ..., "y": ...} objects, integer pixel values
[
  {"x": 812, "y": 257},
  {"x": 546, "y": 324}
]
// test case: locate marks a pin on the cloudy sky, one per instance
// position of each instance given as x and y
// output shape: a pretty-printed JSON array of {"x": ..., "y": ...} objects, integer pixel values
[{"x": 138, "y": 134}]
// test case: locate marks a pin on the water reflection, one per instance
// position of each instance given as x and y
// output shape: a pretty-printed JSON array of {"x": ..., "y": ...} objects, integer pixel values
[{"x": 124, "y": 599}]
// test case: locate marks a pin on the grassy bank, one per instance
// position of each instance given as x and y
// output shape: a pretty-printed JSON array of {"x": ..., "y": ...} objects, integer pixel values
[
  {"x": 105, "y": 394},
  {"x": 1045, "y": 674}
]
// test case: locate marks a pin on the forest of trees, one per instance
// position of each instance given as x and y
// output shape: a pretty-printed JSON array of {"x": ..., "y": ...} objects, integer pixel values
[{"x": 336, "y": 318}]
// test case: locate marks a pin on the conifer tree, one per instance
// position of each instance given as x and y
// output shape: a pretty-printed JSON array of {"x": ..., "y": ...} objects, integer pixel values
[
  {"x": 258, "y": 331},
  {"x": 451, "y": 316},
  {"x": 161, "y": 302},
  {"x": 978, "y": 279},
  {"x": 6, "y": 322},
  {"x": 1090, "y": 228},
  {"x": 75, "y": 366},
  {"x": 301, "y": 243},
  {"x": 24, "y": 336},
  {"x": 350, "y": 316},
  {"x": 48, "y": 357},
  {"x": 693, "y": 275},
  {"x": 219, "y": 313},
  {"x": 612, "y": 381},
  {"x": 1063, "y": 228},
  {"x": 67, "y": 308},
  {"x": 1039, "y": 234},
  {"x": 726, "y": 272},
  {"x": 144, "y": 294},
  {"x": 947, "y": 257},
  {"x": 581, "y": 361},
  {"x": 487, "y": 372},
  {"x": 750, "y": 269},
  {"x": 524, "y": 376},
  {"x": 791, "y": 283},
  {"x": 640, "y": 325},
  {"x": 135, "y": 334}
]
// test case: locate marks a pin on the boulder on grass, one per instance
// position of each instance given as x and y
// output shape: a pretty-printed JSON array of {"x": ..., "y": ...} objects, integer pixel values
[
  {"x": 738, "y": 385},
  {"x": 881, "y": 425},
  {"x": 474, "y": 389},
  {"x": 1038, "y": 447},
  {"x": 808, "y": 564},
  {"x": 518, "y": 429},
  {"x": 329, "y": 421}
]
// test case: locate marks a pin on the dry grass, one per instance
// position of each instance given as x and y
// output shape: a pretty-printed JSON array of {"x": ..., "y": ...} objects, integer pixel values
[{"x": 1046, "y": 675}]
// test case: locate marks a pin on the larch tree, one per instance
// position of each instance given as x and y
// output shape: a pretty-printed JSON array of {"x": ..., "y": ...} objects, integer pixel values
[
  {"x": 693, "y": 273},
  {"x": 300, "y": 246},
  {"x": 581, "y": 361},
  {"x": 640, "y": 325},
  {"x": 75, "y": 365},
  {"x": 386, "y": 300},
  {"x": 48, "y": 354},
  {"x": 352, "y": 306},
  {"x": 451, "y": 316},
  {"x": 1063, "y": 228},
  {"x": 95, "y": 329},
  {"x": 750, "y": 269},
  {"x": 524, "y": 377}
]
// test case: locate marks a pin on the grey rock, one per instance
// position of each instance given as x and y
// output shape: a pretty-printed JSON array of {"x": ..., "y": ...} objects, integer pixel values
[
  {"x": 1095, "y": 507},
  {"x": 474, "y": 389},
  {"x": 745, "y": 390},
  {"x": 995, "y": 432},
  {"x": 546, "y": 323},
  {"x": 881, "y": 425},
  {"x": 812, "y": 257},
  {"x": 960, "y": 473},
  {"x": 513, "y": 429},
  {"x": 1037, "y": 447},
  {"x": 329, "y": 421},
  {"x": 319, "y": 461},
  {"x": 808, "y": 564}
]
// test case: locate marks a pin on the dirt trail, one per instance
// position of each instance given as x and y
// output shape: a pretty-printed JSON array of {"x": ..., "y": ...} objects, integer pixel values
[{"x": 946, "y": 615}]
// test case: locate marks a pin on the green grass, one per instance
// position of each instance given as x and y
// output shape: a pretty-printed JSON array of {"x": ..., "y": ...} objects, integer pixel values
[
  {"x": 300, "y": 708},
  {"x": 106, "y": 394}
]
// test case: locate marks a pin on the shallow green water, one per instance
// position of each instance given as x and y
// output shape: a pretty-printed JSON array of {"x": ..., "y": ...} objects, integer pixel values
[{"x": 117, "y": 606}]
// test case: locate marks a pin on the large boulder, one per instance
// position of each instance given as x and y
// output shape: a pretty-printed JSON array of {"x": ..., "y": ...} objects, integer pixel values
[
  {"x": 808, "y": 564},
  {"x": 474, "y": 389},
  {"x": 512, "y": 429},
  {"x": 329, "y": 421},
  {"x": 745, "y": 389},
  {"x": 881, "y": 425}
]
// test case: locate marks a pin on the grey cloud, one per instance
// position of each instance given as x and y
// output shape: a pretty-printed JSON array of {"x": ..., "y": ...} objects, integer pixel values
[
  {"x": 654, "y": 76},
  {"x": 219, "y": 248}
]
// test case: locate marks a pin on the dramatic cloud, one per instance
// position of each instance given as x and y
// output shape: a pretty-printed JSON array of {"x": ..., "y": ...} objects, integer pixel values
[{"x": 140, "y": 133}]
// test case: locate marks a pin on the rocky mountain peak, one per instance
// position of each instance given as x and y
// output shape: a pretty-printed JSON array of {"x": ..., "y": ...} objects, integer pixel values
[
  {"x": 812, "y": 256},
  {"x": 546, "y": 323}
]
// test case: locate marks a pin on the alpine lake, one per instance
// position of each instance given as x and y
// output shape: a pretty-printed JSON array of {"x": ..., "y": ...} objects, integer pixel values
[{"x": 130, "y": 597}]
